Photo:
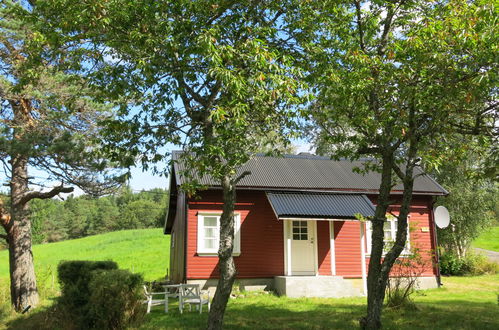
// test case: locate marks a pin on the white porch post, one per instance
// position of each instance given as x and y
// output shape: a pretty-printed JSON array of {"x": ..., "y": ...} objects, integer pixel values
[
  {"x": 331, "y": 247},
  {"x": 363, "y": 256},
  {"x": 287, "y": 248}
]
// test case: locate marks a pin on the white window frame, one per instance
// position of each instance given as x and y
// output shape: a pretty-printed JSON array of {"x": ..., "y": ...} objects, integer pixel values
[
  {"x": 393, "y": 229},
  {"x": 201, "y": 250}
]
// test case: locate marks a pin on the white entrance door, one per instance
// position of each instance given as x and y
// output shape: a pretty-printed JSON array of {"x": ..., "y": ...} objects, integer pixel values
[{"x": 302, "y": 236}]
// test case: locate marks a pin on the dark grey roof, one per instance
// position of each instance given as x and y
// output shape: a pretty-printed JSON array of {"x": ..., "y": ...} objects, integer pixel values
[
  {"x": 320, "y": 205},
  {"x": 297, "y": 172}
]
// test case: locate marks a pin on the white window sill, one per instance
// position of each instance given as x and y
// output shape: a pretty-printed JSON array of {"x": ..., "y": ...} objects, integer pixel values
[
  {"x": 215, "y": 254},
  {"x": 402, "y": 254}
]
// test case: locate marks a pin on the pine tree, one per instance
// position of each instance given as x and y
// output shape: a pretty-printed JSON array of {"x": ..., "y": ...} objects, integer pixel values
[{"x": 48, "y": 122}]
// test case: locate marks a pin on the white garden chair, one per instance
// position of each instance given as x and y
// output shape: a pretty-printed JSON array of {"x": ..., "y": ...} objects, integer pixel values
[
  {"x": 190, "y": 294},
  {"x": 151, "y": 301}
]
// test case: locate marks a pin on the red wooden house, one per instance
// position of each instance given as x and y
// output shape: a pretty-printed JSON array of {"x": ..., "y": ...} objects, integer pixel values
[{"x": 296, "y": 226}]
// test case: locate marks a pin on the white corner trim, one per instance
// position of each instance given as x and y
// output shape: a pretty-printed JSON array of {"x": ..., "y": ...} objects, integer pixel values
[
  {"x": 363, "y": 257},
  {"x": 316, "y": 249},
  {"x": 287, "y": 247},
  {"x": 332, "y": 248}
]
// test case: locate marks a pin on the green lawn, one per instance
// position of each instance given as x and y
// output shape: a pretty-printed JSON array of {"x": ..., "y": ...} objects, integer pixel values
[
  {"x": 462, "y": 303},
  {"x": 488, "y": 240}
]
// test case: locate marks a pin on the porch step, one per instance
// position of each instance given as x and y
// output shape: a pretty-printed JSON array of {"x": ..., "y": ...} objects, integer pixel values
[{"x": 315, "y": 286}]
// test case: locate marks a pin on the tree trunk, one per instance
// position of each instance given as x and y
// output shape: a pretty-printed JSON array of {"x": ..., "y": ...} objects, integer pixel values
[
  {"x": 226, "y": 262},
  {"x": 379, "y": 266},
  {"x": 376, "y": 284},
  {"x": 23, "y": 288}
]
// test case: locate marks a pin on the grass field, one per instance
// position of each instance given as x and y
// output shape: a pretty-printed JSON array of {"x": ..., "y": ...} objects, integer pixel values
[
  {"x": 462, "y": 303},
  {"x": 488, "y": 240},
  {"x": 145, "y": 251}
]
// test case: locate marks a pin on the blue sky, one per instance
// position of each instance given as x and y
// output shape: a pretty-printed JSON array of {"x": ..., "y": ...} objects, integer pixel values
[
  {"x": 141, "y": 180},
  {"x": 146, "y": 180}
]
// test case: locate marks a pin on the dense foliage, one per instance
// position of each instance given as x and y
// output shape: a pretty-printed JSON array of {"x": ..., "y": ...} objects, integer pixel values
[
  {"x": 202, "y": 74},
  {"x": 74, "y": 277},
  {"x": 98, "y": 295},
  {"x": 397, "y": 81},
  {"x": 473, "y": 196},
  {"x": 55, "y": 220},
  {"x": 116, "y": 299},
  {"x": 471, "y": 264}
]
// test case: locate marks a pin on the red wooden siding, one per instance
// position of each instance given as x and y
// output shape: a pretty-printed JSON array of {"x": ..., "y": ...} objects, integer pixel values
[
  {"x": 420, "y": 236},
  {"x": 262, "y": 243},
  {"x": 347, "y": 248},
  {"x": 421, "y": 231},
  {"x": 323, "y": 248}
]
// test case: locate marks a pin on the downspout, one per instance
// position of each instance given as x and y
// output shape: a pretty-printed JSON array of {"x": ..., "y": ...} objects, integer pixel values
[
  {"x": 435, "y": 241},
  {"x": 186, "y": 218}
]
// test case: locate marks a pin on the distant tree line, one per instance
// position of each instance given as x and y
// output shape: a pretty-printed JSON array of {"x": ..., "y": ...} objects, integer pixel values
[{"x": 56, "y": 220}]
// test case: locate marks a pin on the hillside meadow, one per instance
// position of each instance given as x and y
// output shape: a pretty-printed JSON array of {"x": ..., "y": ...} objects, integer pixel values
[
  {"x": 489, "y": 240},
  {"x": 145, "y": 251}
]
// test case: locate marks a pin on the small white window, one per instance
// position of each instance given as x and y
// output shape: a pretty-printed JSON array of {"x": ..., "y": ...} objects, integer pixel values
[
  {"x": 209, "y": 234},
  {"x": 390, "y": 234},
  {"x": 300, "y": 231}
]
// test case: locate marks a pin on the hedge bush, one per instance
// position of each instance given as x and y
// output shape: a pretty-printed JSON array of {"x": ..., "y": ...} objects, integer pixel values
[
  {"x": 471, "y": 264},
  {"x": 74, "y": 277},
  {"x": 450, "y": 264},
  {"x": 97, "y": 295},
  {"x": 116, "y": 299}
]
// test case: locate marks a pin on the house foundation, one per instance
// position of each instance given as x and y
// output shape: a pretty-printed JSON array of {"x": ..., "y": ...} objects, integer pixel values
[
  {"x": 306, "y": 286},
  {"x": 315, "y": 286},
  {"x": 244, "y": 284}
]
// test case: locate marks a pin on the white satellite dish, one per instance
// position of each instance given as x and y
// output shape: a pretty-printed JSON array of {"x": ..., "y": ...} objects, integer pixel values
[{"x": 442, "y": 217}]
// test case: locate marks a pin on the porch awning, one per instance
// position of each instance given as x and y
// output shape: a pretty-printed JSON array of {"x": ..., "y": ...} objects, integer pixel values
[{"x": 320, "y": 206}]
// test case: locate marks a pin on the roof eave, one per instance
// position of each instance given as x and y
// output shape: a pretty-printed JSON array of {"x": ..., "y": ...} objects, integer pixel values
[
  {"x": 333, "y": 190},
  {"x": 172, "y": 203},
  {"x": 316, "y": 217}
]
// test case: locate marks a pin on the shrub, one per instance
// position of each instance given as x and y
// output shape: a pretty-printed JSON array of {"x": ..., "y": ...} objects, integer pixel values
[
  {"x": 74, "y": 278},
  {"x": 450, "y": 264},
  {"x": 472, "y": 264},
  {"x": 403, "y": 280},
  {"x": 78, "y": 273},
  {"x": 116, "y": 299},
  {"x": 97, "y": 295},
  {"x": 478, "y": 264}
]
